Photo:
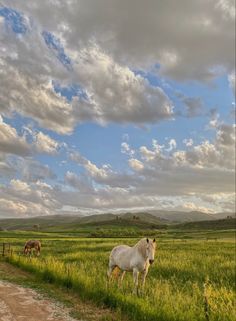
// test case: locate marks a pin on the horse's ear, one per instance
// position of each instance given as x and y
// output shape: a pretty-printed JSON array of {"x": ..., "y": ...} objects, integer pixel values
[
  {"x": 154, "y": 240},
  {"x": 147, "y": 240}
]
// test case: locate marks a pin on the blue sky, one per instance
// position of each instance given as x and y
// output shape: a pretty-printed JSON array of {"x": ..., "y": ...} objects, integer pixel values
[{"x": 100, "y": 112}]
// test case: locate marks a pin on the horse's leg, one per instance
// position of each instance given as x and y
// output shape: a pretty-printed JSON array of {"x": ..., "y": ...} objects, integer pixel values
[
  {"x": 121, "y": 278},
  {"x": 135, "y": 277},
  {"x": 109, "y": 273},
  {"x": 144, "y": 274}
]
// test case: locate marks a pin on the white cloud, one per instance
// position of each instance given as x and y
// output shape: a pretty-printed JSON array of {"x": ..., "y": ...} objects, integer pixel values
[
  {"x": 172, "y": 145},
  {"x": 30, "y": 71},
  {"x": 193, "y": 49},
  {"x": 203, "y": 169},
  {"x": 21, "y": 198},
  {"x": 20, "y": 186},
  {"x": 125, "y": 149},
  {"x": 11, "y": 142},
  {"x": 231, "y": 79},
  {"x": 146, "y": 153},
  {"x": 45, "y": 144},
  {"x": 121, "y": 96},
  {"x": 104, "y": 175},
  {"x": 188, "y": 142},
  {"x": 135, "y": 164},
  {"x": 195, "y": 179},
  {"x": 194, "y": 106},
  {"x": 110, "y": 52},
  {"x": 193, "y": 207},
  {"x": 81, "y": 182},
  {"x": 32, "y": 170},
  {"x": 12, "y": 208},
  {"x": 26, "y": 145}
]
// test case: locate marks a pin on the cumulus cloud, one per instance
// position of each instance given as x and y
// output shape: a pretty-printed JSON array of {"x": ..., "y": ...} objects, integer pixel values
[
  {"x": 121, "y": 96},
  {"x": 198, "y": 178},
  {"x": 193, "y": 49},
  {"x": 125, "y": 149},
  {"x": 194, "y": 106},
  {"x": 110, "y": 53},
  {"x": 27, "y": 144},
  {"x": 31, "y": 72},
  {"x": 11, "y": 142},
  {"x": 45, "y": 144},
  {"x": 104, "y": 175},
  {"x": 6, "y": 170},
  {"x": 32, "y": 170},
  {"x": 135, "y": 164},
  {"x": 188, "y": 142},
  {"x": 172, "y": 145},
  {"x": 28, "y": 68},
  {"x": 231, "y": 79},
  {"x": 21, "y": 198},
  {"x": 14, "y": 208},
  {"x": 96, "y": 47},
  {"x": 162, "y": 172},
  {"x": 19, "y": 186}
]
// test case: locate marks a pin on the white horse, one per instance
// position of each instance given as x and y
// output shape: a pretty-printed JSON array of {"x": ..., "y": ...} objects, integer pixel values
[{"x": 136, "y": 259}]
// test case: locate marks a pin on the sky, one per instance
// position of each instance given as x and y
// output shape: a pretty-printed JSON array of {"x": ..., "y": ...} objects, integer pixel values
[{"x": 116, "y": 106}]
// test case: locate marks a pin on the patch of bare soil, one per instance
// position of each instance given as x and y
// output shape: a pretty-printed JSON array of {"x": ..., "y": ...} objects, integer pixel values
[
  {"x": 23, "y": 304},
  {"x": 81, "y": 310}
]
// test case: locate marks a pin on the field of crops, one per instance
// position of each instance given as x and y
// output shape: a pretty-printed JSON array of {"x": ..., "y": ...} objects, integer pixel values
[{"x": 175, "y": 283}]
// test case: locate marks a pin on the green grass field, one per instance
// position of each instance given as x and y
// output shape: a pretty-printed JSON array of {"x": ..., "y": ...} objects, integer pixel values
[{"x": 175, "y": 283}]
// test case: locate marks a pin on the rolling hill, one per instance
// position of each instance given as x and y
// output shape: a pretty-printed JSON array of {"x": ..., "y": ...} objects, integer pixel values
[
  {"x": 221, "y": 224},
  {"x": 155, "y": 219},
  {"x": 193, "y": 216},
  {"x": 74, "y": 222}
]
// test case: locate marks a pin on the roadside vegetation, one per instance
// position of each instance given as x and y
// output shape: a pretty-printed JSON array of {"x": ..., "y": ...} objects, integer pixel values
[{"x": 175, "y": 284}]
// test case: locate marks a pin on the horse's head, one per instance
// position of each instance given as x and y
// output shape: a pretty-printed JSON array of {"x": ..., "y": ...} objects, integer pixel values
[{"x": 150, "y": 250}]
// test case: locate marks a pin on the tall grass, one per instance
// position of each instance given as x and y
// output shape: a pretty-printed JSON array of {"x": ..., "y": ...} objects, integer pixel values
[{"x": 175, "y": 284}]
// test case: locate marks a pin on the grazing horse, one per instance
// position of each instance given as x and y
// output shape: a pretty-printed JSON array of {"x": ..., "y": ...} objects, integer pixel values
[
  {"x": 136, "y": 259},
  {"x": 31, "y": 244}
]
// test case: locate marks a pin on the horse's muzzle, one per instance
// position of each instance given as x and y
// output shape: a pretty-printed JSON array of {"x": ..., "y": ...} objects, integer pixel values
[{"x": 151, "y": 261}]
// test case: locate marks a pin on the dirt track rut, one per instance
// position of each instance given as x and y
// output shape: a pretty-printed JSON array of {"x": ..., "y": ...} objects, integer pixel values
[{"x": 22, "y": 304}]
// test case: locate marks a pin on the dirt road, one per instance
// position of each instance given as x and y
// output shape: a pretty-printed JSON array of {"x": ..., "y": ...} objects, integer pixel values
[{"x": 23, "y": 304}]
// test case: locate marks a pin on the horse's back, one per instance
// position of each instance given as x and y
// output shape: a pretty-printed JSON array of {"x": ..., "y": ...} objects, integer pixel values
[
  {"x": 33, "y": 243},
  {"x": 120, "y": 256},
  {"x": 28, "y": 243},
  {"x": 120, "y": 249}
]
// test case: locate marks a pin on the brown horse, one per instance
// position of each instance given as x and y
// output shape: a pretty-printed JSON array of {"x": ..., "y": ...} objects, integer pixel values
[{"x": 32, "y": 244}]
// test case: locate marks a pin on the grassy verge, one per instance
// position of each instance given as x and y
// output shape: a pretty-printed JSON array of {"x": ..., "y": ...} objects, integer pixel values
[
  {"x": 79, "y": 309},
  {"x": 174, "y": 289},
  {"x": 175, "y": 284}
]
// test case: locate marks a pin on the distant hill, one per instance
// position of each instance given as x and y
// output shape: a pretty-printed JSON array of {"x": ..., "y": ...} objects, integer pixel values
[
  {"x": 36, "y": 222},
  {"x": 154, "y": 219},
  {"x": 69, "y": 222},
  {"x": 224, "y": 215},
  {"x": 222, "y": 224},
  {"x": 194, "y": 216},
  {"x": 143, "y": 216}
]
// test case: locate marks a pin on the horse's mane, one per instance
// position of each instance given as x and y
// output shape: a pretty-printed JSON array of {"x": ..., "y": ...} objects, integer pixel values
[{"x": 141, "y": 246}]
